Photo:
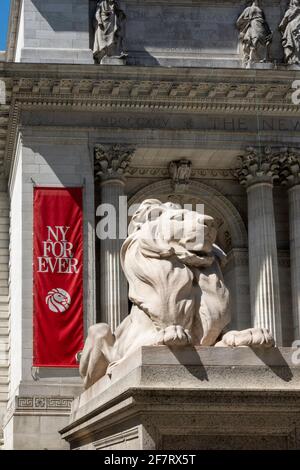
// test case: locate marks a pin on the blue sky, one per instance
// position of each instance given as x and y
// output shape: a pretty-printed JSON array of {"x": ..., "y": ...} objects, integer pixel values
[{"x": 4, "y": 11}]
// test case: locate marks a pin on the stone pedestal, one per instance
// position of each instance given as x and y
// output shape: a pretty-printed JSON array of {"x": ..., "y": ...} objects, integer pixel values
[
  {"x": 191, "y": 398},
  {"x": 114, "y": 60}
]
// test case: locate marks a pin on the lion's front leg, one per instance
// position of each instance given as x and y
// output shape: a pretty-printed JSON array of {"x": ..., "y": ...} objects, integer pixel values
[
  {"x": 174, "y": 335},
  {"x": 98, "y": 353},
  {"x": 253, "y": 337}
]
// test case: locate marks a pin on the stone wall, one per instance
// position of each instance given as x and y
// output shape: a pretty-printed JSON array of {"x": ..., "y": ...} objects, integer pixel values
[
  {"x": 39, "y": 399},
  {"x": 158, "y": 32},
  {"x": 55, "y": 31},
  {"x": 4, "y": 307}
]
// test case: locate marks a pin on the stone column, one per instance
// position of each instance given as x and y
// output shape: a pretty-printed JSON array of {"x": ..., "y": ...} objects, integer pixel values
[
  {"x": 290, "y": 176},
  {"x": 257, "y": 172},
  {"x": 111, "y": 162}
]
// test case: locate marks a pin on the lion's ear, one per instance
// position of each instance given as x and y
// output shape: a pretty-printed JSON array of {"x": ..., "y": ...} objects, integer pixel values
[{"x": 155, "y": 212}]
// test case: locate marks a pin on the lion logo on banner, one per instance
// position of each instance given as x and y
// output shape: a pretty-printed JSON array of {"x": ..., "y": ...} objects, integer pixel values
[{"x": 58, "y": 300}]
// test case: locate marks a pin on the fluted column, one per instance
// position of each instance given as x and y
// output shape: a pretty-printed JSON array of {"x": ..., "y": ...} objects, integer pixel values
[
  {"x": 290, "y": 176},
  {"x": 257, "y": 172},
  {"x": 111, "y": 163}
]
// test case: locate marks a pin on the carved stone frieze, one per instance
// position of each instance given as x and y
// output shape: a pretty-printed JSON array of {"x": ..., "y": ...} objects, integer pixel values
[
  {"x": 196, "y": 173},
  {"x": 38, "y": 404}
]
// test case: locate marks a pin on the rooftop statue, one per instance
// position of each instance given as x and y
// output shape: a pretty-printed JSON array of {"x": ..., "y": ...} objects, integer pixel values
[
  {"x": 254, "y": 34},
  {"x": 290, "y": 30},
  {"x": 109, "y": 30},
  {"x": 173, "y": 268}
]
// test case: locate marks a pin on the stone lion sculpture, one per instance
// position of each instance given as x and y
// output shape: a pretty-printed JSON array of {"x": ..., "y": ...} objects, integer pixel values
[{"x": 173, "y": 268}]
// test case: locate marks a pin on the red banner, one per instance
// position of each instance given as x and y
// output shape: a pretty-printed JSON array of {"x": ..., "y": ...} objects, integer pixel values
[{"x": 58, "y": 276}]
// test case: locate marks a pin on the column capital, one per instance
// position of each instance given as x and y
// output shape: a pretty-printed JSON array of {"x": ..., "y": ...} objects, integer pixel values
[
  {"x": 257, "y": 166},
  {"x": 289, "y": 168},
  {"x": 111, "y": 161}
]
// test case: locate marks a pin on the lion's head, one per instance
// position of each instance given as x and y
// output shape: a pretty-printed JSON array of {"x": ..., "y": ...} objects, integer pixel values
[{"x": 170, "y": 262}]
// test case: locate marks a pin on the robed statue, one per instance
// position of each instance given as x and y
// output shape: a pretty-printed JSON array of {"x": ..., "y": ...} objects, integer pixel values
[
  {"x": 290, "y": 30},
  {"x": 109, "y": 30},
  {"x": 254, "y": 34}
]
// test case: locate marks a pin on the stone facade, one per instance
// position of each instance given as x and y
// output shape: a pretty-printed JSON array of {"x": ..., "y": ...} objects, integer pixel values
[{"x": 183, "y": 96}]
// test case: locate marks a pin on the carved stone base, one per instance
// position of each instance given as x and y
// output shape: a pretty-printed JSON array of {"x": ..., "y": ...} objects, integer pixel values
[
  {"x": 192, "y": 398},
  {"x": 114, "y": 60},
  {"x": 261, "y": 65}
]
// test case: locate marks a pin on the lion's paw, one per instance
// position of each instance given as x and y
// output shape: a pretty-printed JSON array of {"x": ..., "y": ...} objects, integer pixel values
[
  {"x": 255, "y": 337},
  {"x": 174, "y": 335}
]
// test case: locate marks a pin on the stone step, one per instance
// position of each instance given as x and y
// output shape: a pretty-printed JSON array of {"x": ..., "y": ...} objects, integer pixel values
[
  {"x": 4, "y": 356},
  {"x": 4, "y": 234},
  {"x": 4, "y": 244},
  {"x": 3, "y": 332},
  {"x": 4, "y": 346},
  {"x": 3, "y": 381},
  {"x": 4, "y": 396},
  {"x": 4, "y": 323}
]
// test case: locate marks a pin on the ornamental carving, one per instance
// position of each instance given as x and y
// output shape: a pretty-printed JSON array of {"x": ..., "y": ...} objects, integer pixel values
[
  {"x": 112, "y": 161},
  {"x": 180, "y": 173},
  {"x": 257, "y": 166},
  {"x": 289, "y": 167}
]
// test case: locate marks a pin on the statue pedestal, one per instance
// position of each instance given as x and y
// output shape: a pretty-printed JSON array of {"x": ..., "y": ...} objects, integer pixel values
[
  {"x": 114, "y": 60},
  {"x": 193, "y": 399}
]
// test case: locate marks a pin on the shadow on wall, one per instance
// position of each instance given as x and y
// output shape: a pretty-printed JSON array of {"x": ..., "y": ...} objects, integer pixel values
[
  {"x": 167, "y": 29},
  {"x": 64, "y": 16}
]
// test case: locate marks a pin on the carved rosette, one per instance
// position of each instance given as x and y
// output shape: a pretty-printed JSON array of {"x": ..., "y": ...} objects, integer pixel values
[
  {"x": 180, "y": 172},
  {"x": 112, "y": 161},
  {"x": 258, "y": 167},
  {"x": 289, "y": 168}
]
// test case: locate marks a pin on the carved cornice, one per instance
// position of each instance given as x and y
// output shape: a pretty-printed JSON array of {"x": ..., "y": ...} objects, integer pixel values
[
  {"x": 257, "y": 166},
  {"x": 161, "y": 94},
  {"x": 112, "y": 161},
  {"x": 144, "y": 89}
]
